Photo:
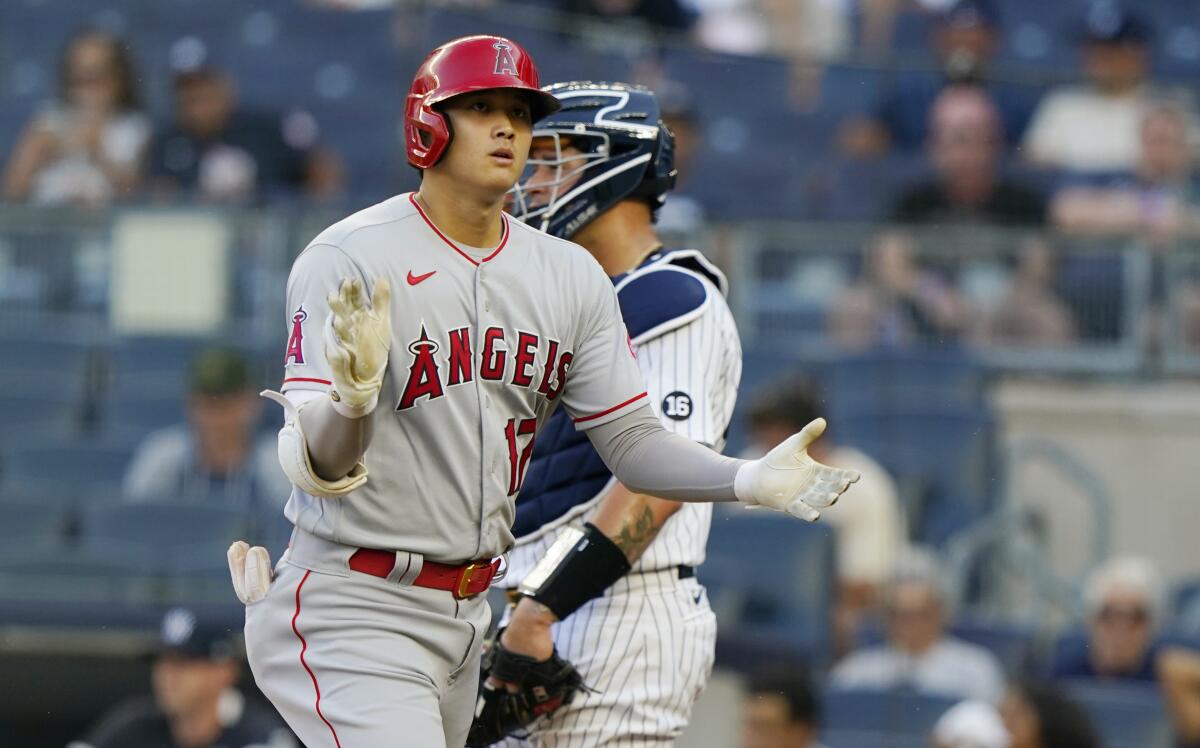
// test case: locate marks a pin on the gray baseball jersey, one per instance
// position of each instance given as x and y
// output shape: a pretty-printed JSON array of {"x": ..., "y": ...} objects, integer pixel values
[{"x": 486, "y": 343}]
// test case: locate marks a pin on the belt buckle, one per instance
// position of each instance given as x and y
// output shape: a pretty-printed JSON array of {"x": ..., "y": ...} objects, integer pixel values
[{"x": 464, "y": 579}]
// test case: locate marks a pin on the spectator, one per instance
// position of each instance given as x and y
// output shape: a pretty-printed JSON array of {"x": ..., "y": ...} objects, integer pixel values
[
  {"x": 683, "y": 215},
  {"x": 1094, "y": 127},
  {"x": 1031, "y": 313},
  {"x": 215, "y": 458},
  {"x": 898, "y": 301},
  {"x": 806, "y": 30},
  {"x": 965, "y": 141},
  {"x": 965, "y": 39},
  {"x": 1179, "y": 674},
  {"x": 869, "y": 523},
  {"x": 219, "y": 152},
  {"x": 970, "y": 724},
  {"x": 780, "y": 710},
  {"x": 195, "y": 704},
  {"x": 919, "y": 653},
  {"x": 1038, "y": 716},
  {"x": 1156, "y": 199},
  {"x": 88, "y": 146},
  {"x": 1156, "y": 203},
  {"x": 672, "y": 15},
  {"x": 1124, "y": 600}
]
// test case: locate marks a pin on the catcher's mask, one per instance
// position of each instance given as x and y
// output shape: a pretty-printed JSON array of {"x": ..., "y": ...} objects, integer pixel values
[{"x": 606, "y": 144}]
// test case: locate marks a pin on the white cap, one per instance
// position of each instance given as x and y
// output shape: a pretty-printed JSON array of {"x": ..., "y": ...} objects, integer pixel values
[{"x": 971, "y": 724}]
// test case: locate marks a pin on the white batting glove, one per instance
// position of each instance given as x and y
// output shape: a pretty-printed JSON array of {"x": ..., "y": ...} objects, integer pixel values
[
  {"x": 251, "y": 571},
  {"x": 358, "y": 334},
  {"x": 788, "y": 480}
]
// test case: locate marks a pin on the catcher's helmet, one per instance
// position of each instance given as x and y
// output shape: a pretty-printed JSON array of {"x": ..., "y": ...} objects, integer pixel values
[
  {"x": 627, "y": 152},
  {"x": 470, "y": 63}
]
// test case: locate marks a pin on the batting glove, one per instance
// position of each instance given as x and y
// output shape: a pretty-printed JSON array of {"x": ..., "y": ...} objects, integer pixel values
[
  {"x": 251, "y": 571},
  {"x": 788, "y": 480},
  {"x": 358, "y": 334}
]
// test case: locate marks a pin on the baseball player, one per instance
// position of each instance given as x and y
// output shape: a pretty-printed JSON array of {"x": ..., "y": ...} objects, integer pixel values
[
  {"x": 429, "y": 337},
  {"x": 604, "y": 164}
]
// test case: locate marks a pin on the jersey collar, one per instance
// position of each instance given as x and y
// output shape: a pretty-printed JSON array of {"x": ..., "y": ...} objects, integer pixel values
[{"x": 412, "y": 197}]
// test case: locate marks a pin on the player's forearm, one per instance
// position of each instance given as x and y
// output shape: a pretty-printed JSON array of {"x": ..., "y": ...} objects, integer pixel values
[
  {"x": 335, "y": 443},
  {"x": 648, "y": 459},
  {"x": 632, "y": 520}
]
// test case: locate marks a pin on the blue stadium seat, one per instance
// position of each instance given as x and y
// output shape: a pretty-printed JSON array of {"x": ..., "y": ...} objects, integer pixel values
[
  {"x": 1012, "y": 643},
  {"x": 30, "y": 525},
  {"x": 27, "y": 414},
  {"x": 851, "y": 738},
  {"x": 941, "y": 457},
  {"x": 77, "y": 575},
  {"x": 897, "y": 713},
  {"x": 879, "y": 381},
  {"x": 177, "y": 535},
  {"x": 770, "y": 578},
  {"x": 1128, "y": 715},
  {"x": 134, "y": 356},
  {"x": 84, "y": 466},
  {"x": 44, "y": 350}
]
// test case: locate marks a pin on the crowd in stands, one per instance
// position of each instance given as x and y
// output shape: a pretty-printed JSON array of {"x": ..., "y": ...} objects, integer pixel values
[
  {"x": 94, "y": 144},
  {"x": 1045, "y": 167}
]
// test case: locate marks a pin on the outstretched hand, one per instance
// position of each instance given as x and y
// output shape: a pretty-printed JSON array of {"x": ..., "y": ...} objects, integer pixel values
[{"x": 788, "y": 480}]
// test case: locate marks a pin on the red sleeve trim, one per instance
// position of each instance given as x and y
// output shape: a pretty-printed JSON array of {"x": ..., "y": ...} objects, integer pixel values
[
  {"x": 602, "y": 413},
  {"x": 307, "y": 379}
]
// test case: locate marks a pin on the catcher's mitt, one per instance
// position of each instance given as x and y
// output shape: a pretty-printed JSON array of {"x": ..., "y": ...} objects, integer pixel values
[{"x": 543, "y": 687}]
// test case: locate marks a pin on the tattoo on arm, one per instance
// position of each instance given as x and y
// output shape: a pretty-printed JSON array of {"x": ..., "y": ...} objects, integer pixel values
[{"x": 636, "y": 533}]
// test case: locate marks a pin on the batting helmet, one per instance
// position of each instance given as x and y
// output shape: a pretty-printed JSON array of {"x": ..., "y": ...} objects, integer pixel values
[
  {"x": 627, "y": 151},
  {"x": 464, "y": 65}
]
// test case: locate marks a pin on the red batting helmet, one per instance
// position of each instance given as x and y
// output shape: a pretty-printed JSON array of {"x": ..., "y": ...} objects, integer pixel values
[{"x": 471, "y": 63}]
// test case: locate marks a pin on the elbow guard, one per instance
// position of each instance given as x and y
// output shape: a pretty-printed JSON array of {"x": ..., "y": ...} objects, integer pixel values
[
  {"x": 581, "y": 565},
  {"x": 296, "y": 464}
]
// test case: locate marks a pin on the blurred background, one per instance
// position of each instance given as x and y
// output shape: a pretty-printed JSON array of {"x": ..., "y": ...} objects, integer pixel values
[{"x": 968, "y": 233}]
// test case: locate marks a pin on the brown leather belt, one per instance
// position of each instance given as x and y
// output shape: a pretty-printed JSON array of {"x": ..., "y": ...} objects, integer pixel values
[{"x": 463, "y": 581}]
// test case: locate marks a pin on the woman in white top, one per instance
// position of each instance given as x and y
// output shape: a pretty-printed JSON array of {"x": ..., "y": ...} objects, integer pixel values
[{"x": 86, "y": 147}]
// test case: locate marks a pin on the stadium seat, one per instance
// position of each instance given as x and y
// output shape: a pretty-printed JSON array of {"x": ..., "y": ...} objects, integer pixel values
[
  {"x": 868, "y": 739},
  {"x": 940, "y": 456},
  {"x": 193, "y": 533},
  {"x": 82, "y": 466},
  {"x": 1012, "y": 643},
  {"x": 898, "y": 713},
  {"x": 879, "y": 381},
  {"x": 1128, "y": 715},
  {"x": 78, "y": 575},
  {"x": 30, "y": 525},
  {"x": 770, "y": 578},
  {"x": 144, "y": 355}
]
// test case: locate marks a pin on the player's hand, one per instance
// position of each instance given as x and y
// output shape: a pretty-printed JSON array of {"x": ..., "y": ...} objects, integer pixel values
[
  {"x": 250, "y": 569},
  {"x": 528, "y": 630},
  {"x": 358, "y": 334},
  {"x": 788, "y": 480},
  {"x": 528, "y": 633}
]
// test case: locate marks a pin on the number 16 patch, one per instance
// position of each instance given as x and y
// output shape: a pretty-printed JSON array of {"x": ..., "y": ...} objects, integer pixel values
[{"x": 677, "y": 406}]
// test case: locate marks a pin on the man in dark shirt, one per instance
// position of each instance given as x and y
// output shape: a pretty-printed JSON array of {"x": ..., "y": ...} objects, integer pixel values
[
  {"x": 195, "y": 704},
  {"x": 965, "y": 39},
  {"x": 220, "y": 153},
  {"x": 965, "y": 148}
]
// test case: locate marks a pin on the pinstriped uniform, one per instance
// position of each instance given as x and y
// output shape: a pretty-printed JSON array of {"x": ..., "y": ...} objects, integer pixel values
[{"x": 646, "y": 646}]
